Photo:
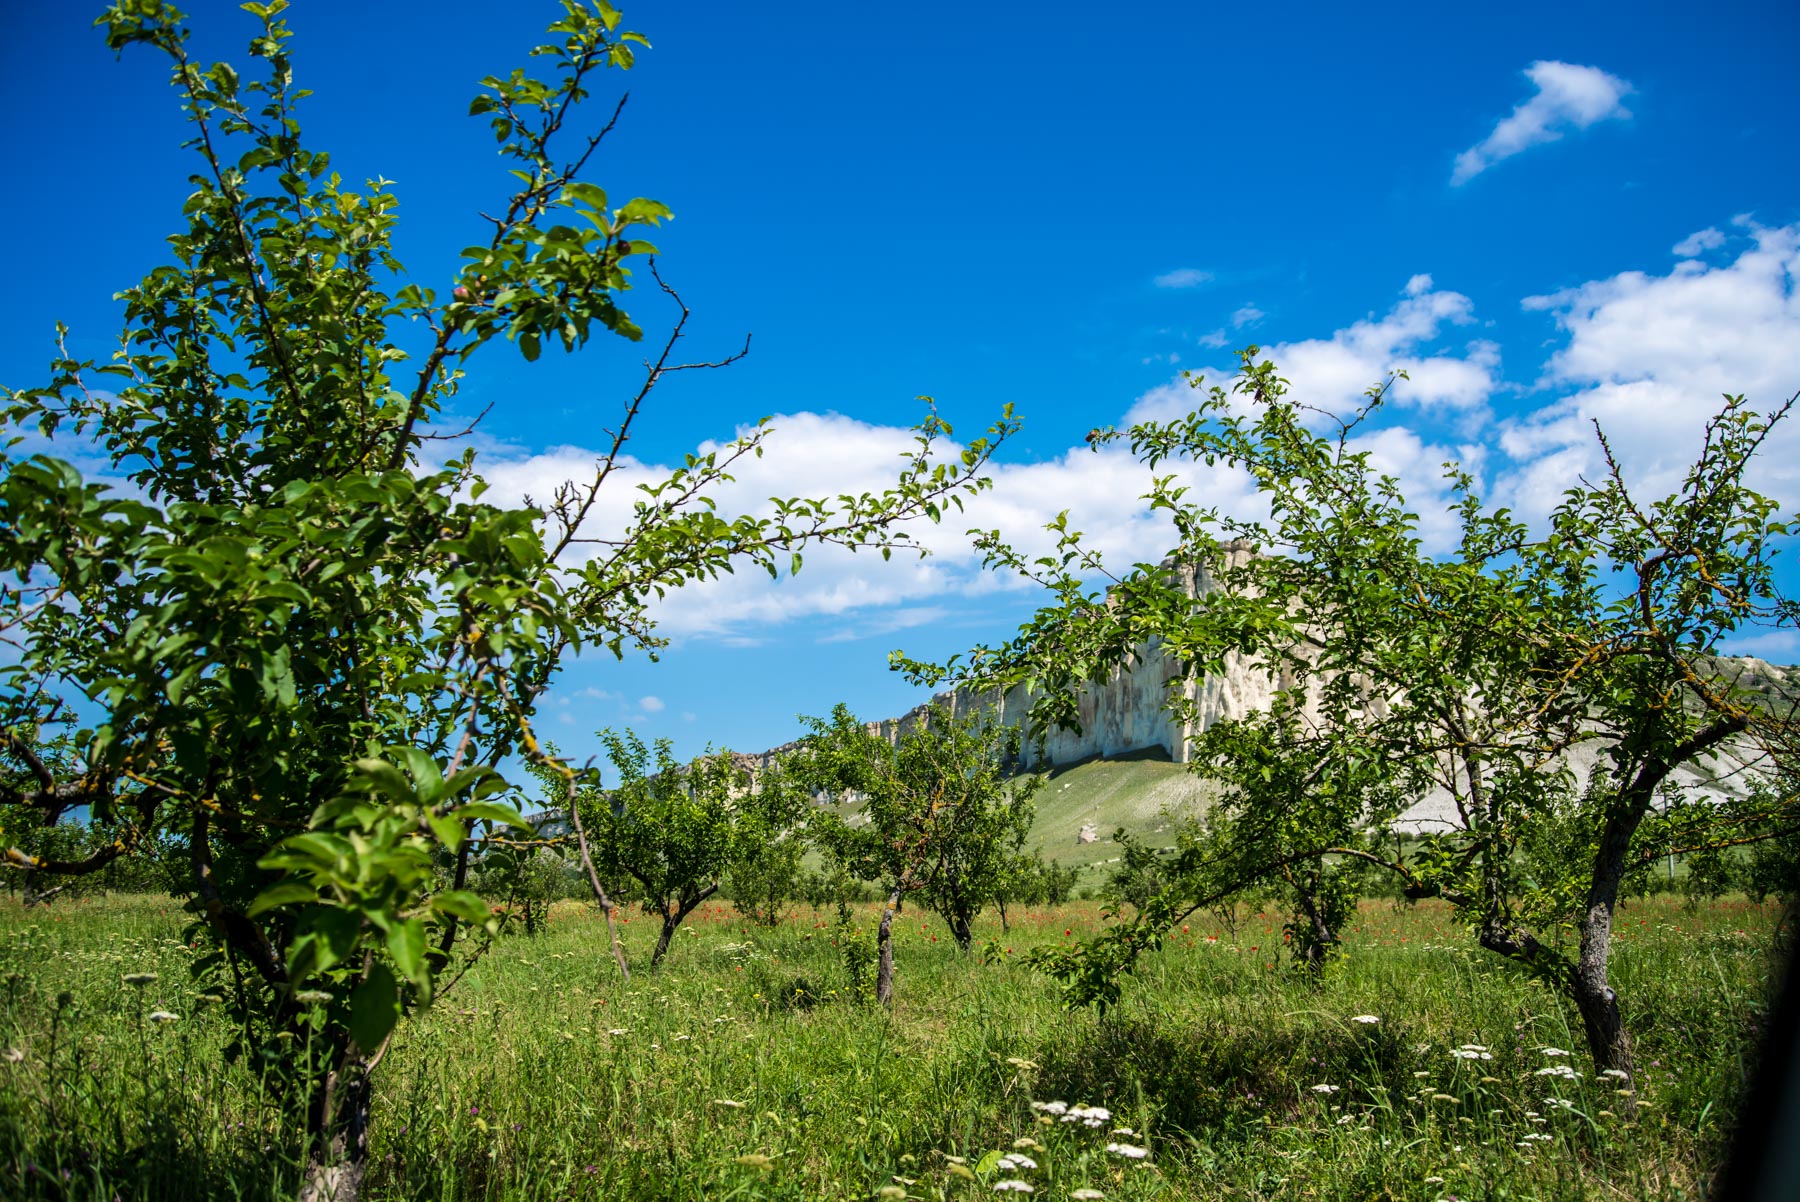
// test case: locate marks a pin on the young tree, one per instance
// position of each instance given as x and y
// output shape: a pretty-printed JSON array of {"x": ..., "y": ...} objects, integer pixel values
[
  {"x": 676, "y": 829},
  {"x": 942, "y": 812},
  {"x": 764, "y": 877},
  {"x": 1477, "y": 672},
  {"x": 295, "y": 645}
]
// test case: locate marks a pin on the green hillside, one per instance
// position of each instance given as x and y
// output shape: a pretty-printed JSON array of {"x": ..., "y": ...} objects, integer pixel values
[{"x": 1138, "y": 792}]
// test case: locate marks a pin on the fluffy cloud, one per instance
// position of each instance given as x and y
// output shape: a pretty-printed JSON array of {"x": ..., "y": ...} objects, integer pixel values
[
  {"x": 1646, "y": 354},
  {"x": 814, "y": 454},
  {"x": 1649, "y": 357},
  {"x": 1568, "y": 97},
  {"x": 1183, "y": 277},
  {"x": 1333, "y": 373}
]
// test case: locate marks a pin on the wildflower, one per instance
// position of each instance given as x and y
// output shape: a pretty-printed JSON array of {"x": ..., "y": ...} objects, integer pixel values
[
  {"x": 1084, "y": 1194},
  {"x": 1471, "y": 1053},
  {"x": 959, "y": 1169},
  {"x": 1020, "y": 1062},
  {"x": 140, "y": 979},
  {"x": 312, "y": 996},
  {"x": 1014, "y": 1161},
  {"x": 1128, "y": 1151},
  {"x": 728, "y": 1103},
  {"x": 1025, "y": 1141},
  {"x": 891, "y": 1191},
  {"x": 163, "y": 1016},
  {"x": 1050, "y": 1107},
  {"x": 756, "y": 1160},
  {"x": 619, "y": 1031},
  {"x": 1555, "y": 1052},
  {"x": 1420, "y": 1076},
  {"x": 1327, "y": 1089},
  {"x": 1123, "y": 1131},
  {"x": 681, "y": 1038},
  {"x": 1442, "y": 1097},
  {"x": 1616, "y": 1073},
  {"x": 1013, "y": 1185},
  {"x": 1434, "y": 1181},
  {"x": 1558, "y": 1070},
  {"x": 1563, "y": 1102},
  {"x": 1368, "y": 1020}
]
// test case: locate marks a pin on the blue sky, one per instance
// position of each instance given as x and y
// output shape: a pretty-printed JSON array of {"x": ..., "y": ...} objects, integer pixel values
[{"x": 1557, "y": 213}]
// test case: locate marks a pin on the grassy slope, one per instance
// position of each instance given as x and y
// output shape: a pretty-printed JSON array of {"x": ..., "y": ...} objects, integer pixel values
[
  {"x": 542, "y": 1079},
  {"x": 1138, "y": 793}
]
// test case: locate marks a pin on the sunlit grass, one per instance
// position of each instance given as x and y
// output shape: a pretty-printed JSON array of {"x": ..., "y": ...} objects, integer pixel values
[{"x": 744, "y": 1069}]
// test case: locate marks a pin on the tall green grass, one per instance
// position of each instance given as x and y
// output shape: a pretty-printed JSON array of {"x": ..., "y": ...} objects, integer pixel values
[{"x": 746, "y": 1068}]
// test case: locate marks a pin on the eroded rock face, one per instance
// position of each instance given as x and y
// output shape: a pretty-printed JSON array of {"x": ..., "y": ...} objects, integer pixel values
[
  {"x": 1088, "y": 833},
  {"x": 1132, "y": 712}
]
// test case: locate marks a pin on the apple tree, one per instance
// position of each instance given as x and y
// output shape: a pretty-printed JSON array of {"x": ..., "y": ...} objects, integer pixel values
[{"x": 279, "y": 635}]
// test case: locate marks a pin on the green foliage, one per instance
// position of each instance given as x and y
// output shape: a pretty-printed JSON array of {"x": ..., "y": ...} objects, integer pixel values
[
  {"x": 677, "y": 829},
  {"x": 942, "y": 811},
  {"x": 292, "y": 645},
  {"x": 1400, "y": 671},
  {"x": 1211, "y": 1062}
]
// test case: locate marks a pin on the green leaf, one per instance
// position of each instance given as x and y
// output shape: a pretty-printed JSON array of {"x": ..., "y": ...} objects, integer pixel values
[
  {"x": 406, "y": 944},
  {"x": 285, "y": 893},
  {"x": 374, "y": 1008},
  {"x": 492, "y": 811},
  {"x": 462, "y": 904}
]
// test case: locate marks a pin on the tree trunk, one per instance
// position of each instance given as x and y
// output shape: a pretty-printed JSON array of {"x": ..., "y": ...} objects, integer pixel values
[
  {"x": 587, "y": 861},
  {"x": 1005, "y": 926},
  {"x": 959, "y": 927},
  {"x": 338, "y": 1121},
  {"x": 884, "y": 943},
  {"x": 671, "y": 920},
  {"x": 1608, "y": 1041}
]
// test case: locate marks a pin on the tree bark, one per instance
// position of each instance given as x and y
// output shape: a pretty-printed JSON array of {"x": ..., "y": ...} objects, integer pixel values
[
  {"x": 884, "y": 943},
  {"x": 959, "y": 927},
  {"x": 587, "y": 861},
  {"x": 338, "y": 1120}
]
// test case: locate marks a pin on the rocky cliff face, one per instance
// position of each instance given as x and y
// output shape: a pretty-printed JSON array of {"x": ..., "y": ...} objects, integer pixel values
[
  {"x": 1130, "y": 712},
  {"x": 1127, "y": 713}
]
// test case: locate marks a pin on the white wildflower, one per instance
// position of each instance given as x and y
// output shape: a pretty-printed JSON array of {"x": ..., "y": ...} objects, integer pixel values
[
  {"x": 619, "y": 1031},
  {"x": 1128, "y": 1151},
  {"x": 1123, "y": 1131},
  {"x": 1471, "y": 1053},
  {"x": 163, "y": 1016},
  {"x": 1013, "y": 1185},
  {"x": 728, "y": 1103},
  {"x": 1084, "y": 1194},
  {"x": 1014, "y": 1161},
  {"x": 1555, "y": 1052},
  {"x": 1368, "y": 1020},
  {"x": 1558, "y": 1070},
  {"x": 1434, "y": 1181},
  {"x": 1322, "y": 1088},
  {"x": 1618, "y": 1074},
  {"x": 1050, "y": 1107}
]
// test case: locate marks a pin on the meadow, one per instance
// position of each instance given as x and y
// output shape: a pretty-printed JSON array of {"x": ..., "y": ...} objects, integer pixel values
[{"x": 748, "y": 1068}]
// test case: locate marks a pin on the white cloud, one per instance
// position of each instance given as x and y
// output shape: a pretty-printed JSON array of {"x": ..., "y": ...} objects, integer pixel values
[
  {"x": 1568, "y": 97},
  {"x": 1647, "y": 354},
  {"x": 1699, "y": 242},
  {"x": 1249, "y": 315},
  {"x": 1183, "y": 277},
  {"x": 1215, "y": 340},
  {"x": 814, "y": 454},
  {"x": 1333, "y": 373},
  {"x": 1649, "y": 357},
  {"x": 651, "y": 705}
]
